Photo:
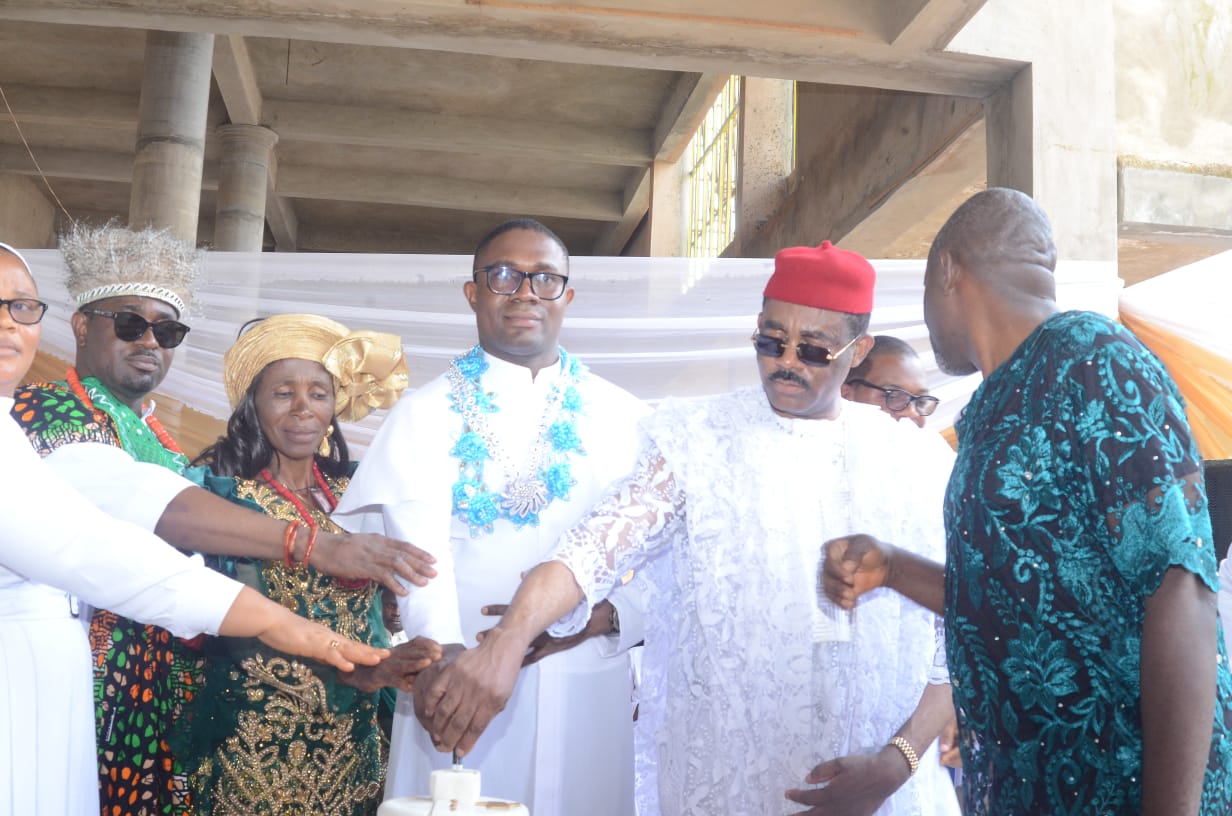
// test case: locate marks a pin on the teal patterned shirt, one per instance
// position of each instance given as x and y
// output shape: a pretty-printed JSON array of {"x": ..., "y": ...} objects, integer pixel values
[{"x": 1077, "y": 486}]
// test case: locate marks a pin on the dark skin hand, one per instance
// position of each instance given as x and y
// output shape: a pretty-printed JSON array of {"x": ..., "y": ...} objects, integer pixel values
[
  {"x": 857, "y": 785},
  {"x": 859, "y": 563},
  {"x": 545, "y": 645},
  {"x": 399, "y": 670},
  {"x": 423, "y": 681}
]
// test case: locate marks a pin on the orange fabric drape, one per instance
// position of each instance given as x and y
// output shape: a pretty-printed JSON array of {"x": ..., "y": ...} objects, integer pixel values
[{"x": 1205, "y": 380}]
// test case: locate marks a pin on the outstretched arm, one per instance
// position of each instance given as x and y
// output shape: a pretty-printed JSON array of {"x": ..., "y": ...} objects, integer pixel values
[
  {"x": 857, "y": 785},
  {"x": 253, "y": 615},
  {"x": 194, "y": 519},
  {"x": 856, "y": 564}
]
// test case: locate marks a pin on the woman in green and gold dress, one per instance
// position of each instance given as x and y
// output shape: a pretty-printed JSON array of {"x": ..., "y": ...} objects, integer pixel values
[{"x": 270, "y": 734}]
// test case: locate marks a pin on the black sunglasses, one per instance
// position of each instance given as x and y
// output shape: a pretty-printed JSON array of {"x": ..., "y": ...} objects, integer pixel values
[
  {"x": 897, "y": 399},
  {"x": 810, "y": 355},
  {"x": 505, "y": 280},
  {"x": 130, "y": 326}
]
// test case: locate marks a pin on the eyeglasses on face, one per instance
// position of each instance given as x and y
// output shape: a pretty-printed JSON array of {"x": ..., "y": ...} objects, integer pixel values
[
  {"x": 809, "y": 354},
  {"x": 897, "y": 399},
  {"x": 26, "y": 311},
  {"x": 130, "y": 326},
  {"x": 505, "y": 280}
]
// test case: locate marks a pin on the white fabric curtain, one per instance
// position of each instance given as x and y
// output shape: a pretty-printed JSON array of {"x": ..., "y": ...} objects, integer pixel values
[{"x": 655, "y": 326}]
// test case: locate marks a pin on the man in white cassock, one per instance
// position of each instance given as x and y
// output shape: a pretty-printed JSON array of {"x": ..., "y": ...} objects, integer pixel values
[
  {"x": 756, "y": 690},
  {"x": 485, "y": 467}
]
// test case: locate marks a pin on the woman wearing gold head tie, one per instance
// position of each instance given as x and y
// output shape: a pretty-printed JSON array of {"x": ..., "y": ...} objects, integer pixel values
[{"x": 269, "y": 734}]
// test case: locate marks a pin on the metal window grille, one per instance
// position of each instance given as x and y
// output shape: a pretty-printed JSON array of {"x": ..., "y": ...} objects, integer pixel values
[{"x": 713, "y": 154}]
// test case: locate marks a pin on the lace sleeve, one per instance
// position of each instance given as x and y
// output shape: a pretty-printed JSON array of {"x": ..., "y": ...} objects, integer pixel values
[{"x": 635, "y": 521}]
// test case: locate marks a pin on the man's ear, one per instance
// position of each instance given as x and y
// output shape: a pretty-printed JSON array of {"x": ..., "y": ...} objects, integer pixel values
[
  {"x": 951, "y": 271},
  {"x": 860, "y": 350},
  {"x": 471, "y": 291},
  {"x": 79, "y": 321}
]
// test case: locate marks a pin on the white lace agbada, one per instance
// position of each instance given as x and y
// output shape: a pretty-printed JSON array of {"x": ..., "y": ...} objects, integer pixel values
[{"x": 725, "y": 516}]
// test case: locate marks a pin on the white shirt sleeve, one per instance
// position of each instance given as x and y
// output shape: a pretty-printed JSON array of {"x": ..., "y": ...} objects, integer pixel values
[
  {"x": 116, "y": 483},
  {"x": 1225, "y": 600},
  {"x": 53, "y": 535}
]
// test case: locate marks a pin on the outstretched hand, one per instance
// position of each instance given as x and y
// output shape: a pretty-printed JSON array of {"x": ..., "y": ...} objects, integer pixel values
[
  {"x": 854, "y": 565},
  {"x": 298, "y": 636},
  {"x": 373, "y": 557},
  {"x": 399, "y": 670},
  {"x": 854, "y": 785}
]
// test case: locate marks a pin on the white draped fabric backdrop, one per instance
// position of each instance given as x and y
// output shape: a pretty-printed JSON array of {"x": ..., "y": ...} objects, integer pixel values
[{"x": 656, "y": 326}]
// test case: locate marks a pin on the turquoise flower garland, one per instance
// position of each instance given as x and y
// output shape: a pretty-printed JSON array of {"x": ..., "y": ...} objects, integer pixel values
[{"x": 473, "y": 502}]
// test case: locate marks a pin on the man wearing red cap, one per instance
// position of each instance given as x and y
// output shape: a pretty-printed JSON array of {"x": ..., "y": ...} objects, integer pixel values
[{"x": 754, "y": 684}]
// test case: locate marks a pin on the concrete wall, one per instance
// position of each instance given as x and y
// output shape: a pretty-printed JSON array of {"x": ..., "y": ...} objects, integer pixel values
[{"x": 27, "y": 218}]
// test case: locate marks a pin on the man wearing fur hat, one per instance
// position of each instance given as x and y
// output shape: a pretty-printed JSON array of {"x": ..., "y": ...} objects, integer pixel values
[
  {"x": 755, "y": 685},
  {"x": 131, "y": 289}
]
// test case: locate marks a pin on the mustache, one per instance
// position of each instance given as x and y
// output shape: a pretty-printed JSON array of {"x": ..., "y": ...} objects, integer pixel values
[{"x": 789, "y": 376}]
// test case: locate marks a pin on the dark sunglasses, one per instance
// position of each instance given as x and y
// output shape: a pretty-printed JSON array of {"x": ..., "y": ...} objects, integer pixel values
[
  {"x": 810, "y": 355},
  {"x": 130, "y": 326},
  {"x": 897, "y": 399}
]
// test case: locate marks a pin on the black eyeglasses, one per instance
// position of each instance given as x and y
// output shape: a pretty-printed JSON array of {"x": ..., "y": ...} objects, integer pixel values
[
  {"x": 897, "y": 399},
  {"x": 26, "y": 311},
  {"x": 810, "y": 355},
  {"x": 130, "y": 326},
  {"x": 505, "y": 280}
]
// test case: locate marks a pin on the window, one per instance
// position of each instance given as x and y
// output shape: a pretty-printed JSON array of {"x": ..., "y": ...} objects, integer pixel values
[{"x": 712, "y": 158}]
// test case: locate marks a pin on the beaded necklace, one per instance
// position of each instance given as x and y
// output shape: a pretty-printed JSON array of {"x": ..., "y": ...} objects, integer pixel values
[
  {"x": 289, "y": 495},
  {"x": 547, "y": 475},
  {"x": 101, "y": 417}
]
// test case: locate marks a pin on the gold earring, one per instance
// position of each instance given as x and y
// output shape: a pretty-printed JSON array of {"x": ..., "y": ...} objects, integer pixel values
[{"x": 325, "y": 446}]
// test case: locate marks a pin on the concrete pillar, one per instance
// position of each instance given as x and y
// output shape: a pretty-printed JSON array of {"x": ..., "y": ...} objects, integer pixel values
[
  {"x": 243, "y": 170},
  {"x": 1052, "y": 131},
  {"x": 175, "y": 91},
  {"x": 766, "y": 125},
  {"x": 27, "y": 218},
  {"x": 666, "y": 219}
]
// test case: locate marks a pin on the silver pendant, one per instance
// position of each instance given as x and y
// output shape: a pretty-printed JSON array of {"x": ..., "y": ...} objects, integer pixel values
[{"x": 525, "y": 496}]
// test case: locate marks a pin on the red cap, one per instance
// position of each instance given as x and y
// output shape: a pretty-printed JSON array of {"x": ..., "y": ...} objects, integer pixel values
[{"x": 824, "y": 277}]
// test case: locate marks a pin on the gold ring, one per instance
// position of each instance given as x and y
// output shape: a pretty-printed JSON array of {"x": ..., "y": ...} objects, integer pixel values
[{"x": 333, "y": 644}]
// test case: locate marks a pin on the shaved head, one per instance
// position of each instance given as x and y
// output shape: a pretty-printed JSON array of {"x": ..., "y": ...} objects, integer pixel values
[{"x": 1001, "y": 236}]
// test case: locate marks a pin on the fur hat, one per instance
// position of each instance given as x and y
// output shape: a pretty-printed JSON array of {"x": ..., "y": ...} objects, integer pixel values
[{"x": 114, "y": 261}]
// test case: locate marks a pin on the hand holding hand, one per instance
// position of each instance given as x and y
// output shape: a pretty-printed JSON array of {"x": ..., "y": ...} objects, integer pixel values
[
  {"x": 456, "y": 702},
  {"x": 947, "y": 745},
  {"x": 855, "y": 785},
  {"x": 545, "y": 645},
  {"x": 854, "y": 565},
  {"x": 405, "y": 662},
  {"x": 372, "y": 557}
]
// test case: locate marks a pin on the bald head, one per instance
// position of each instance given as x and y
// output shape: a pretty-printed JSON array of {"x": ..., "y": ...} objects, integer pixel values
[{"x": 1002, "y": 237}]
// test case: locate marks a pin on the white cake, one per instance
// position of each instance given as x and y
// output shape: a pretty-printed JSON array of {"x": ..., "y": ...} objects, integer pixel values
[{"x": 452, "y": 791}]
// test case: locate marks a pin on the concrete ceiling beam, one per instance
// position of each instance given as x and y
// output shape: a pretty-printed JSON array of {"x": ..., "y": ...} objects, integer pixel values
[
  {"x": 929, "y": 25},
  {"x": 340, "y": 184},
  {"x": 237, "y": 80},
  {"x": 76, "y": 108},
  {"x": 409, "y": 130},
  {"x": 684, "y": 110},
  {"x": 613, "y": 238},
  {"x": 708, "y": 41},
  {"x": 83, "y": 165}
]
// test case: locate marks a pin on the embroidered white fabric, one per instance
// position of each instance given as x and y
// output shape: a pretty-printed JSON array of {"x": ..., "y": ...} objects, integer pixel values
[{"x": 724, "y": 516}]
